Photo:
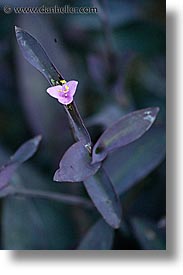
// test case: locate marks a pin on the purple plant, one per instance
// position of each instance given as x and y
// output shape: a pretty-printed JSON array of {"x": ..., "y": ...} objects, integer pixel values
[
  {"x": 84, "y": 161},
  {"x": 24, "y": 153}
]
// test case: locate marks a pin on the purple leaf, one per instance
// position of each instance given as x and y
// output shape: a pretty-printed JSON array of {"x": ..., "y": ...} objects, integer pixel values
[
  {"x": 99, "y": 237},
  {"x": 76, "y": 165},
  {"x": 103, "y": 195},
  {"x": 42, "y": 114},
  {"x": 36, "y": 55},
  {"x": 6, "y": 173},
  {"x": 24, "y": 152},
  {"x": 136, "y": 160},
  {"x": 124, "y": 131}
]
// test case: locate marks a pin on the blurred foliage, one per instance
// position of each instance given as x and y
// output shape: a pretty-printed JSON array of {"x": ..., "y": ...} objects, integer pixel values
[{"x": 118, "y": 57}]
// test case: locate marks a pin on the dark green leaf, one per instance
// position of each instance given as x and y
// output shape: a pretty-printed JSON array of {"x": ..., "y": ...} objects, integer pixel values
[
  {"x": 76, "y": 165},
  {"x": 99, "y": 237},
  {"x": 36, "y": 55},
  {"x": 124, "y": 131},
  {"x": 148, "y": 234},
  {"x": 103, "y": 195},
  {"x": 136, "y": 160}
]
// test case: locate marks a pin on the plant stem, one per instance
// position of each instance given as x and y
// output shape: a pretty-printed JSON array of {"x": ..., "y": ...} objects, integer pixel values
[
  {"x": 63, "y": 198},
  {"x": 77, "y": 125}
]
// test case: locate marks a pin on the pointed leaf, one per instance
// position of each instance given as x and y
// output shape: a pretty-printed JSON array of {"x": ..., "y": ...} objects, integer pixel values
[
  {"x": 24, "y": 152},
  {"x": 103, "y": 195},
  {"x": 148, "y": 234},
  {"x": 76, "y": 165},
  {"x": 36, "y": 55},
  {"x": 124, "y": 131},
  {"x": 136, "y": 160},
  {"x": 32, "y": 87},
  {"x": 99, "y": 237}
]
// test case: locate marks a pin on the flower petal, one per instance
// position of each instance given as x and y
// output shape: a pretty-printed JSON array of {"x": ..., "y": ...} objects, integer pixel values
[
  {"x": 72, "y": 86},
  {"x": 54, "y": 91},
  {"x": 65, "y": 99}
]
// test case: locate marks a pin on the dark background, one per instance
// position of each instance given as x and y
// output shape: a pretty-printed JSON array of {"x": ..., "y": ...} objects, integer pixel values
[{"x": 118, "y": 57}]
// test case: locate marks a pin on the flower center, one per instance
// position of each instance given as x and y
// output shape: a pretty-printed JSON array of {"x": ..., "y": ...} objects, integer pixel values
[{"x": 65, "y": 88}]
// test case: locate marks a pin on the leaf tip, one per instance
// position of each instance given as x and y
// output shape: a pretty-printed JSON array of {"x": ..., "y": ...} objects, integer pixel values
[
  {"x": 37, "y": 140},
  {"x": 115, "y": 223},
  {"x": 150, "y": 114},
  {"x": 39, "y": 137},
  {"x": 17, "y": 29},
  {"x": 56, "y": 176},
  {"x": 157, "y": 110}
]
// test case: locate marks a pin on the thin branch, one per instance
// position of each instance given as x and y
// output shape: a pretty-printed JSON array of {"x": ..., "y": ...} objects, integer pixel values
[{"x": 63, "y": 198}]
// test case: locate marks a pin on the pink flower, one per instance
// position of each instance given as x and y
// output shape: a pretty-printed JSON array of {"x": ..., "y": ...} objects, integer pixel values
[{"x": 64, "y": 93}]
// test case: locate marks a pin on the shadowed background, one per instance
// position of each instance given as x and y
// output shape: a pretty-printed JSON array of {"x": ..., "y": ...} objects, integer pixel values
[{"x": 118, "y": 57}]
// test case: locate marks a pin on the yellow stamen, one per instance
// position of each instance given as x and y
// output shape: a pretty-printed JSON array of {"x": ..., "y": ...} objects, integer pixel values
[
  {"x": 66, "y": 88},
  {"x": 63, "y": 81}
]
